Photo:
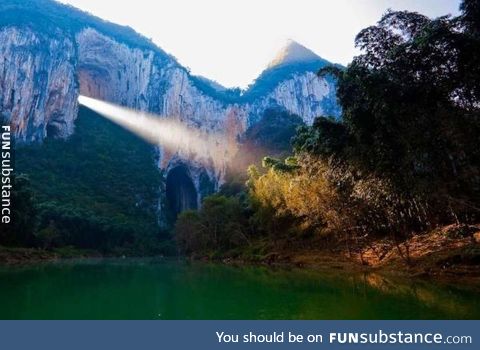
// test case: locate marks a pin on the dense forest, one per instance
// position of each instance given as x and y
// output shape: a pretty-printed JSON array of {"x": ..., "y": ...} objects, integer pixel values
[
  {"x": 403, "y": 160},
  {"x": 96, "y": 191}
]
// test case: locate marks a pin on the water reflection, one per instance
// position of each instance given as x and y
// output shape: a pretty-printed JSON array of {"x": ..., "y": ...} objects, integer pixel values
[{"x": 152, "y": 289}]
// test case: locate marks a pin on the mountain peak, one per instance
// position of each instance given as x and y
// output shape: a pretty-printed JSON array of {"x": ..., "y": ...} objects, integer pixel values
[{"x": 293, "y": 52}]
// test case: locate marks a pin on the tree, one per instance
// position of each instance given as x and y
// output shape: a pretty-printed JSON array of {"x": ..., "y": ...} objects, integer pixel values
[
  {"x": 470, "y": 17},
  {"x": 49, "y": 235},
  {"x": 411, "y": 108},
  {"x": 19, "y": 232},
  {"x": 405, "y": 155},
  {"x": 220, "y": 225}
]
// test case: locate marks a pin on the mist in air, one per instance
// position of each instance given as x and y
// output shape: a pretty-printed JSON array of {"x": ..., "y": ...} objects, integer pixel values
[{"x": 169, "y": 133}]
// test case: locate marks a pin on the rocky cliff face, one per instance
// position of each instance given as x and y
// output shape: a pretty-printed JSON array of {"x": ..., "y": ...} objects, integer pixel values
[
  {"x": 43, "y": 71},
  {"x": 147, "y": 81},
  {"x": 38, "y": 85},
  {"x": 303, "y": 94},
  {"x": 144, "y": 80},
  {"x": 41, "y": 77}
]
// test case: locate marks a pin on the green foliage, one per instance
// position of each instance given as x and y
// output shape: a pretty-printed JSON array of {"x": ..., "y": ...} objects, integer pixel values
[
  {"x": 219, "y": 225},
  {"x": 271, "y": 135},
  {"x": 232, "y": 95},
  {"x": 288, "y": 165},
  {"x": 274, "y": 131},
  {"x": 470, "y": 17},
  {"x": 234, "y": 184},
  {"x": 405, "y": 156},
  {"x": 97, "y": 190},
  {"x": 19, "y": 232},
  {"x": 326, "y": 137},
  {"x": 49, "y": 235},
  {"x": 410, "y": 110}
]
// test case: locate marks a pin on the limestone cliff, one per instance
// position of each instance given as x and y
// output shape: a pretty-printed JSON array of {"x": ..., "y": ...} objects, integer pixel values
[
  {"x": 50, "y": 53},
  {"x": 38, "y": 86}
]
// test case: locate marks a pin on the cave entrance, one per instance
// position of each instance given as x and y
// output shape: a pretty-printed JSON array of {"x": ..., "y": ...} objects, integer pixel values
[
  {"x": 180, "y": 191},
  {"x": 52, "y": 131}
]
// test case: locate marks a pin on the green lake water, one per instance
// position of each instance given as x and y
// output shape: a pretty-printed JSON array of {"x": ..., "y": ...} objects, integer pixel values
[{"x": 163, "y": 289}]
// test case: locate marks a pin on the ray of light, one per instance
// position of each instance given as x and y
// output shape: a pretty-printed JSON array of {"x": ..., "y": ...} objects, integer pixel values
[{"x": 169, "y": 133}]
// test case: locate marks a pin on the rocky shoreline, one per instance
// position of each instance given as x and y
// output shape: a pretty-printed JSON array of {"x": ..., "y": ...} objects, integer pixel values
[{"x": 448, "y": 254}]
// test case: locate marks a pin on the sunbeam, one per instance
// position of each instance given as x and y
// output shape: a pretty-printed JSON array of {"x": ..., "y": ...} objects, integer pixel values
[{"x": 168, "y": 133}]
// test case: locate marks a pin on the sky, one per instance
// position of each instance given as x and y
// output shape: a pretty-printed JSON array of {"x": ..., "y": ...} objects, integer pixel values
[{"x": 232, "y": 41}]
